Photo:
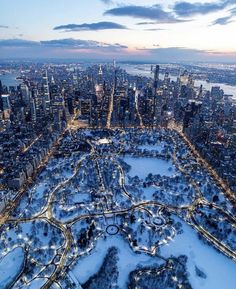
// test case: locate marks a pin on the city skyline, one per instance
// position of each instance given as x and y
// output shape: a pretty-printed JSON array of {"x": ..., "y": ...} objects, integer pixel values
[
  {"x": 117, "y": 144},
  {"x": 171, "y": 31},
  {"x": 113, "y": 180}
]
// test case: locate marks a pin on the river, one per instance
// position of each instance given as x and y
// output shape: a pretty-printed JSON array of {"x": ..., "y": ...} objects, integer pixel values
[
  {"x": 145, "y": 70},
  {"x": 9, "y": 79}
]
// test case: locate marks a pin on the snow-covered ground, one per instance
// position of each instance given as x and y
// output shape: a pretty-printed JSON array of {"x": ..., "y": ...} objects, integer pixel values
[
  {"x": 220, "y": 270},
  {"x": 148, "y": 193},
  {"x": 11, "y": 266},
  {"x": 142, "y": 166},
  {"x": 158, "y": 147},
  {"x": 103, "y": 141},
  {"x": 84, "y": 196},
  {"x": 128, "y": 260},
  {"x": 37, "y": 283}
]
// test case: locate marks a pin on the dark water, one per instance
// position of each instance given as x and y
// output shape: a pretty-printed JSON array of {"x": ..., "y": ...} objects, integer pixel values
[{"x": 9, "y": 79}]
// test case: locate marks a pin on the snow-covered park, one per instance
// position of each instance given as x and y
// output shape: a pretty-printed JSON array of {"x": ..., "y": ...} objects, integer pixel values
[
  {"x": 138, "y": 191},
  {"x": 128, "y": 260},
  {"x": 219, "y": 270}
]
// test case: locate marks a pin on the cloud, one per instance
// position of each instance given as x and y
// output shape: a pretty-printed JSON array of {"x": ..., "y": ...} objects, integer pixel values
[
  {"x": 186, "y": 9},
  {"x": 89, "y": 49},
  {"x": 145, "y": 23},
  {"x": 4, "y": 26},
  {"x": 172, "y": 49},
  {"x": 90, "y": 26},
  {"x": 107, "y": 1},
  {"x": 68, "y": 43},
  {"x": 17, "y": 43},
  {"x": 233, "y": 11},
  {"x": 182, "y": 54},
  {"x": 175, "y": 54},
  {"x": 223, "y": 20},
  {"x": 154, "y": 29},
  {"x": 154, "y": 12},
  {"x": 60, "y": 48},
  {"x": 80, "y": 44}
]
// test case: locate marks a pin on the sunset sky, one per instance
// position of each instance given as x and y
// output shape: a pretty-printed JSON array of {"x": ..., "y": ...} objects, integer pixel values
[{"x": 126, "y": 30}]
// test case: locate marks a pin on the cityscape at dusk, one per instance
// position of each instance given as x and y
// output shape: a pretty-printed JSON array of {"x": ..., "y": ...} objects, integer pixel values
[
  {"x": 168, "y": 30},
  {"x": 117, "y": 144}
]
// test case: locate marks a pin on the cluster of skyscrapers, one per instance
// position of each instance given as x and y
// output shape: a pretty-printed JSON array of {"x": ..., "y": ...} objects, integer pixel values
[{"x": 34, "y": 114}]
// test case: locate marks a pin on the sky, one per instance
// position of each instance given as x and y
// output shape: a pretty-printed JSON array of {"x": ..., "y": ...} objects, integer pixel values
[{"x": 140, "y": 30}]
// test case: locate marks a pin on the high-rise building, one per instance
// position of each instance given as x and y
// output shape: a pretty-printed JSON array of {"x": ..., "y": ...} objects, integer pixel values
[
  {"x": 166, "y": 79},
  {"x": 5, "y": 106},
  {"x": 1, "y": 87},
  {"x": 156, "y": 78},
  {"x": 217, "y": 93},
  {"x": 33, "y": 110},
  {"x": 25, "y": 93},
  {"x": 100, "y": 75},
  {"x": 184, "y": 78},
  {"x": 157, "y": 100},
  {"x": 46, "y": 94}
]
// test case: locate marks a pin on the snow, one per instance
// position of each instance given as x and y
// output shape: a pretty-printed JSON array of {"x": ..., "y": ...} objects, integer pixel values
[
  {"x": 148, "y": 193},
  {"x": 103, "y": 141},
  {"x": 40, "y": 190},
  {"x": 142, "y": 166},
  {"x": 37, "y": 283},
  {"x": 220, "y": 270},
  {"x": 74, "y": 279},
  {"x": 11, "y": 266},
  {"x": 128, "y": 260},
  {"x": 81, "y": 197},
  {"x": 156, "y": 147},
  {"x": 67, "y": 174}
]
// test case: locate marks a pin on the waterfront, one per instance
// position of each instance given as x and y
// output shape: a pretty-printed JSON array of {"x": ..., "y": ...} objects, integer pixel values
[
  {"x": 145, "y": 70},
  {"x": 9, "y": 79}
]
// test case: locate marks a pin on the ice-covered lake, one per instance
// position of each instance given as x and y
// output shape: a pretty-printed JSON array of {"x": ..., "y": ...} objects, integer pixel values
[
  {"x": 11, "y": 266},
  {"x": 142, "y": 166}
]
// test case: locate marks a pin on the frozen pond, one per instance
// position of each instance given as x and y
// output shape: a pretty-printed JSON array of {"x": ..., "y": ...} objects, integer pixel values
[
  {"x": 142, "y": 166},
  {"x": 11, "y": 266},
  {"x": 128, "y": 260},
  {"x": 220, "y": 270}
]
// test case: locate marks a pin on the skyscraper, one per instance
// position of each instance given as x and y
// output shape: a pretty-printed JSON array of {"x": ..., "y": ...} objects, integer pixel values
[
  {"x": 33, "y": 110},
  {"x": 156, "y": 78},
  {"x": 25, "y": 93},
  {"x": 156, "y": 98},
  {"x": 46, "y": 95}
]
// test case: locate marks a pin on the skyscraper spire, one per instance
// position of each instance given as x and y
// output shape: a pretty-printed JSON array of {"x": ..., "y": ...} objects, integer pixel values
[
  {"x": 52, "y": 80},
  {"x": 156, "y": 77},
  {"x": 100, "y": 70},
  {"x": 100, "y": 76}
]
